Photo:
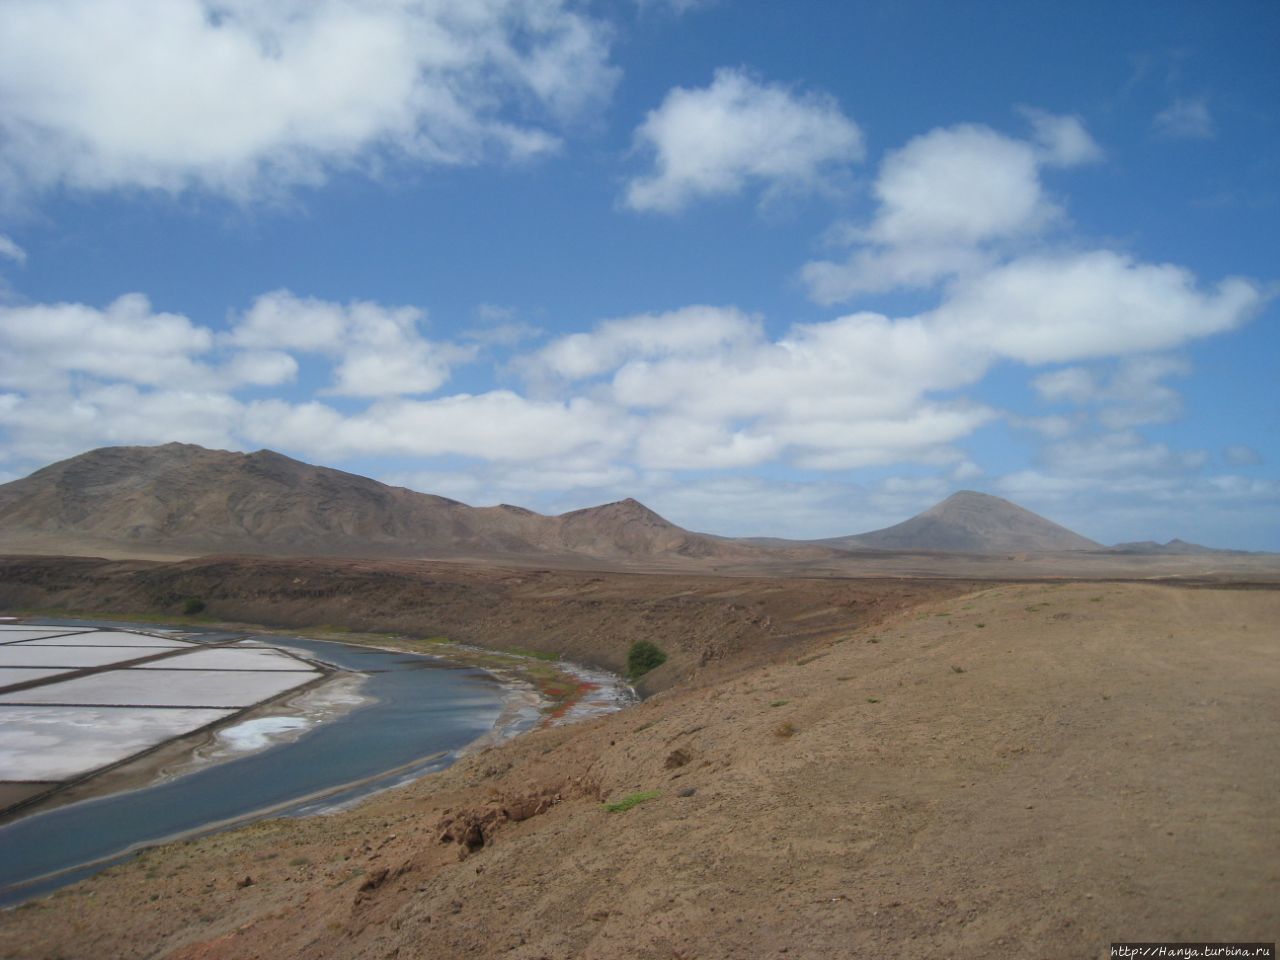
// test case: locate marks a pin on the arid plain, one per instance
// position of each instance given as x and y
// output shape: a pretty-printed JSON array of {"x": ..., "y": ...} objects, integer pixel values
[{"x": 898, "y": 754}]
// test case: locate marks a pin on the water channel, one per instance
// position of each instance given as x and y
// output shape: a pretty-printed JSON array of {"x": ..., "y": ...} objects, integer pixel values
[{"x": 418, "y": 713}]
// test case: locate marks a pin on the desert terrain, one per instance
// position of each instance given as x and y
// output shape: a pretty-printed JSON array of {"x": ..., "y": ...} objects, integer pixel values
[
  {"x": 899, "y": 769},
  {"x": 970, "y": 734}
]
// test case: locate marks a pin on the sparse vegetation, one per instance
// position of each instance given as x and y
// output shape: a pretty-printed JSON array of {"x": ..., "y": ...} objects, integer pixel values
[
  {"x": 192, "y": 605},
  {"x": 873, "y": 699},
  {"x": 643, "y": 657},
  {"x": 633, "y": 800},
  {"x": 779, "y": 703},
  {"x": 534, "y": 654},
  {"x": 785, "y": 730}
]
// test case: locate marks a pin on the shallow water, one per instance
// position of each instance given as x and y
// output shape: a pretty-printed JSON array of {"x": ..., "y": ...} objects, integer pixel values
[{"x": 421, "y": 711}]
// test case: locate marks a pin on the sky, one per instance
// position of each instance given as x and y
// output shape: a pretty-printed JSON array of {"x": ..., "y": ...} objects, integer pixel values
[{"x": 796, "y": 269}]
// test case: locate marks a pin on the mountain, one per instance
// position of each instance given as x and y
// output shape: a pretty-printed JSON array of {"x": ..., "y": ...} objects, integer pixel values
[
  {"x": 970, "y": 522},
  {"x": 181, "y": 498},
  {"x": 1178, "y": 548}
]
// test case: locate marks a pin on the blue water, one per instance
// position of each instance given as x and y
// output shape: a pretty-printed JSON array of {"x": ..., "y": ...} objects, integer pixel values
[{"x": 423, "y": 711}]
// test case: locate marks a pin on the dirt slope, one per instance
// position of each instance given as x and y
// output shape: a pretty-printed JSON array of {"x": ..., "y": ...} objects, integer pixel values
[
  {"x": 590, "y": 617},
  {"x": 1032, "y": 771}
]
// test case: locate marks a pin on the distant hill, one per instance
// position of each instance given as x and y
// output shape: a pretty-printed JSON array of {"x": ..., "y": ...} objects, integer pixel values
[
  {"x": 182, "y": 499},
  {"x": 185, "y": 498},
  {"x": 970, "y": 522},
  {"x": 1179, "y": 548}
]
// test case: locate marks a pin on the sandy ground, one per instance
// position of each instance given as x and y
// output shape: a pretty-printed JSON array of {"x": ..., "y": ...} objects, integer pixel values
[{"x": 1027, "y": 770}]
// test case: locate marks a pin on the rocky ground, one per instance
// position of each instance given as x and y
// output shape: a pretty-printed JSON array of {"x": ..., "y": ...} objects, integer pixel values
[{"x": 1020, "y": 770}]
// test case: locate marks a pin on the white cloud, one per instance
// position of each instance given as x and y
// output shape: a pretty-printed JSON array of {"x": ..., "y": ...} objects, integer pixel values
[
  {"x": 1052, "y": 309},
  {"x": 378, "y": 350},
  {"x": 696, "y": 331},
  {"x": 753, "y": 506},
  {"x": 881, "y": 269},
  {"x": 1062, "y": 141},
  {"x": 496, "y": 426},
  {"x": 42, "y": 343},
  {"x": 263, "y": 368},
  {"x": 961, "y": 184},
  {"x": 683, "y": 442},
  {"x": 1185, "y": 119},
  {"x": 947, "y": 201},
  {"x": 717, "y": 140},
  {"x": 238, "y": 96},
  {"x": 281, "y": 320},
  {"x": 45, "y": 427},
  {"x": 714, "y": 392},
  {"x": 11, "y": 251}
]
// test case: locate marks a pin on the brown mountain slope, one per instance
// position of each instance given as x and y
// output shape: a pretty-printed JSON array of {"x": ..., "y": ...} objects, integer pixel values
[
  {"x": 184, "y": 498},
  {"x": 970, "y": 522}
]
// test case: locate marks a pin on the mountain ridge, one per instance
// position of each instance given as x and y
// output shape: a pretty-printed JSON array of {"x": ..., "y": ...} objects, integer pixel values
[{"x": 184, "y": 498}]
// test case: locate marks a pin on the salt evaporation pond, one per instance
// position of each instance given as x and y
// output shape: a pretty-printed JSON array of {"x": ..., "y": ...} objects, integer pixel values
[{"x": 419, "y": 712}]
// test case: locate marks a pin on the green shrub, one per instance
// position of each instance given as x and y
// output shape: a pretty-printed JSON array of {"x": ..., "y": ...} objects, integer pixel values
[
  {"x": 643, "y": 657},
  {"x": 626, "y": 803},
  {"x": 192, "y": 605}
]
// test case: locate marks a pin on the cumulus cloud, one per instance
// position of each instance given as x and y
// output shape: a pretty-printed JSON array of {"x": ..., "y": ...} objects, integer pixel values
[
  {"x": 719, "y": 393},
  {"x": 1051, "y": 309},
  {"x": 238, "y": 96},
  {"x": 259, "y": 368},
  {"x": 42, "y": 343},
  {"x": 378, "y": 350},
  {"x": 716, "y": 140},
  {"x": 712, "y": 391},
  {"x": 50, "y": 426},
  {"x": 689, "y": 331},
  {"x": 127, "y": 373},
  {"x": 1185, "y": 119},
  {"x": 946, "y": 199},
  {"x": 495, "y": 426}
]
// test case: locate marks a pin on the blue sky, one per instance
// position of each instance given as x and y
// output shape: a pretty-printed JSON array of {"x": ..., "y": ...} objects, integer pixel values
[{"x": 790, "y": 269}]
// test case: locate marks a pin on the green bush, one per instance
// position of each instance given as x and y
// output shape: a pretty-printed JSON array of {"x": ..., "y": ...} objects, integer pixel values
[
  {"x": 626, "y": 803},
  {"x": 643, "y": 657},
  {"x": 192, "y": 605}
]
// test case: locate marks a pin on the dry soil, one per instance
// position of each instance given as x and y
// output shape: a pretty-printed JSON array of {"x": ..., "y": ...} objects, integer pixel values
[{"x": 1011, "y": 771}]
